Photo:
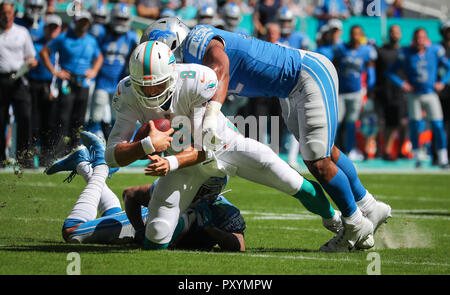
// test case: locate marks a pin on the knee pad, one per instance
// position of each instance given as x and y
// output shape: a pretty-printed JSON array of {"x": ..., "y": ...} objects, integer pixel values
[
  {"x": 314, "y": 150},
  {"x": 158, "y": 231}
]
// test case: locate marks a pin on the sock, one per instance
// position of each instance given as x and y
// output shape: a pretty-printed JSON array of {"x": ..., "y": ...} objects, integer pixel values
[
  {"x": 349, "y": 170},
  {"x": 109, "y": 203},
  {"x": 340, "y": 191},
  {"x": 414, "y": 129},
  {"x": 365, "y": 203},
  {"x": 149, "y": 245},
  {"x": 350, "y": 136},
  {"x": 85, "y": 208},
  {"x": 294, "y": 150},
  {"x": 354, "y": 218},
  {"x": 314, "y": 200}
]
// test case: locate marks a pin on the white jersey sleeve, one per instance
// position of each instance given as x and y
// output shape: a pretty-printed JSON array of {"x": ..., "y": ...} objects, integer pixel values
[{"x": 126, "y": 118}]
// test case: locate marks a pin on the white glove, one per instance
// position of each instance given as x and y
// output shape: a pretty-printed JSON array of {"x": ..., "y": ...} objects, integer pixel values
[{"x": 210, "y": 137}]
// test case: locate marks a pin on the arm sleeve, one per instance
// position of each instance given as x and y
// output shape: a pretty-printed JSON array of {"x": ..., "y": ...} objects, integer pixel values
[{"x": 122, "y": 131}]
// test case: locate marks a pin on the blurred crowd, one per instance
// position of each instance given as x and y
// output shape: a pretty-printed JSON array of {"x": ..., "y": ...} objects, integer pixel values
[{"x": 58, "y": 78}]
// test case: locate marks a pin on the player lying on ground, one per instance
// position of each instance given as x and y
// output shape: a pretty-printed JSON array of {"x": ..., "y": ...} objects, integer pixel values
[
  {"x": 307, "y": 85},
  {"x": 208, "y": 221},
  {"x": 159, "y": 88}
]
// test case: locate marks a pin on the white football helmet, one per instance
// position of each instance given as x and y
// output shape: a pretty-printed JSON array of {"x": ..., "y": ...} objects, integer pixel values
[
  {"x": 152, "y": 63},
  {"x": 35, "y": 10},
  {"x": 99, "y": 12},
  {"x": 232, "y": 15},
  {"x": 286, "y": 20},
  {"x": 205, "y": 15},
  {"x": 170, "y": 31},
  {"x": 121, "y": 18}
]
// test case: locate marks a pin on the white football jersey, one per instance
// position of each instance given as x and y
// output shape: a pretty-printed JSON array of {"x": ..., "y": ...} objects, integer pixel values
[{"x": 195, "y": 86}]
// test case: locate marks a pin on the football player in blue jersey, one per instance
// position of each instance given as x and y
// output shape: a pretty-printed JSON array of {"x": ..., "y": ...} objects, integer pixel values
[
  {"x": 289, "y": 36},
  {"x": 232, "y": 17},
  {"x": 43, "y": 98},
  {"x": 99, "y": 13},
  {"x": 117, "y": 44},
  {"x": 307, "y": 85},
  {"x": 351, "y": 61},
  {"x": 420, "y": 63},
  {"x": 206, "y": 15},
  {"x": 80, "y": 59},
  {"x": 33, "y": 18}
]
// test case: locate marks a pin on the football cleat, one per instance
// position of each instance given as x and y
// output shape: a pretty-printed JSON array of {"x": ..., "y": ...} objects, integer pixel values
[
  {"x": 333, "y": 224},
  {"x": 351, "y": 238},
  {"x": 70, "y": 162},
  {"x": 378, "y": 213},
  {"x": 96, "y": 147}
]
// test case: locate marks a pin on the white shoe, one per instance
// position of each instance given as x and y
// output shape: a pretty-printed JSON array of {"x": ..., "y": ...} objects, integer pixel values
[
  {"x": 351, "y": 237},
  {"x": 334, "y": 224},
  {"x": 355, "y": 155},
  {"x": 378, "y": 213}
]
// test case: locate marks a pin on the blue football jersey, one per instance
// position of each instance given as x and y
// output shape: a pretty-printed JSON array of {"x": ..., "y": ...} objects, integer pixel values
[
  {"x": 226, "y": 216},
  {"x": 36, "y": 33},
  {"x": 257, "y": 68},
  {"x": 295, "y": 40},
  {"x": 351, "y": 63},
  {"x": 41, "y": 72},
  {"x": 421, "y": 70},
  {"x": 75, "y": 54},
  {"x": 99, "y": 32},
  {"x": 116, "y": 49}
]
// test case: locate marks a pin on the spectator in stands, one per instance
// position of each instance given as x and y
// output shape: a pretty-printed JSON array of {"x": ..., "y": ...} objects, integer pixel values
[
  {"x": 265, "y": 12},
  {"x": 80, "y": 59},
  {"x": 148, "y": 8},
  {"x": 390, "y": 99},
  {"x": 351, "y": 61},
  {"x": 17, "y": 53},
  {"x": 395, "y": 9},
  {"x": 43, "y": 95},
  {"x": 329, "y": 9},
  {"x": 116, "y": 48},
  {"x": 420, "y": 63},
  {"x": 186, "y": 11}
]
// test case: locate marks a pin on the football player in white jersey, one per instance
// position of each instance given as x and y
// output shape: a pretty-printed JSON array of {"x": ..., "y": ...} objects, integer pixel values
[{"x": 159, "y": 88}]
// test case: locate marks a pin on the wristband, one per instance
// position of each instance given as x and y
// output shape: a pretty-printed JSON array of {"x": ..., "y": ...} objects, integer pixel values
[
  {"x": 147, "y": 145},
  {"x": 173, "y": 162}
]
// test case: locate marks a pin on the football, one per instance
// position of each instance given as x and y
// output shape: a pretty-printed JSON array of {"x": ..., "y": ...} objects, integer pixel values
[{"x": 160, "y": 124}]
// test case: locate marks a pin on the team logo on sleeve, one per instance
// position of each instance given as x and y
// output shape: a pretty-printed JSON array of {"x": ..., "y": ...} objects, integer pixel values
[{"x": 212, "y": 85}]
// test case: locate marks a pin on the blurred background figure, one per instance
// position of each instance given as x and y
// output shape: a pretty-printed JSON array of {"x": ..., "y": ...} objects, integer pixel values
[
  {"x": 17, "y": 55},
  {"x": 186, "y": 10},
  {"x": 420, "y": 63},
  {"x": 99, "y": 12},
  {"x": 43, "y": 94},
  {"x": 445, "y": 94},
  {"x": 352, "y": 59},
  {"x": 390, "y": 98},
  {"x": 232, "y": 17},
  {"x": 206, "y": 15},
  {"x": 330, "y": 9},
  {"x": 116, "y": 47},
  {"x": 33, "y": 19},
  {"x": 328, "y": 37},
  {"x": 80, "y": 60},
  {"x": 148, "y": 8},
  {"x": 290, "y": 37},
  {"x": 265, "y": 12}
]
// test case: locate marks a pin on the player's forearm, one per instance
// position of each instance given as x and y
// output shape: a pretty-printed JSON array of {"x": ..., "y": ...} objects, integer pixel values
[
  {"x": 44, "y": 54},
  {"x": 190, "y": 157},
  {"x": 216, "y": 59},
  {"x": 127, "y": 153},
  {"x": 226, "y": 241},
  {"x": 98, "y": 63}
]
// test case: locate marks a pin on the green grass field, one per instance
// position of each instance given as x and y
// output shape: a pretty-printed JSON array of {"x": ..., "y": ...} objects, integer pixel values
[{"x": 281, "y": 236}]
